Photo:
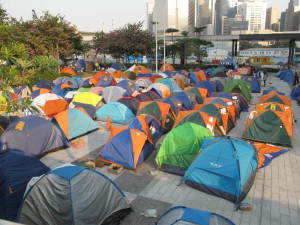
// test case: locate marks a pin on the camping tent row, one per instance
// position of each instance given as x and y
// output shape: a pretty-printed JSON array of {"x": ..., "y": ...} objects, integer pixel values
[{"x": 271, "y": 121}]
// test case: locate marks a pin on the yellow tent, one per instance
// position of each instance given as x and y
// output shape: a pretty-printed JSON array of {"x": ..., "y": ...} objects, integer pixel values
[
  {"x": 87, "y": 98},
  {"x": 3, "y": 104}
]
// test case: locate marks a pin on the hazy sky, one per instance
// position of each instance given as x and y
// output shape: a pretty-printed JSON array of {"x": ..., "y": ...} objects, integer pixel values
[{"x": 92, "y": 15}]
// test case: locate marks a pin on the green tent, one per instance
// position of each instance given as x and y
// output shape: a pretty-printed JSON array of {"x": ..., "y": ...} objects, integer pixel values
[
  {"x": 83, "y": 89},
  {"x": 268, "y": 127},
  {"x": 180, "y": 147},
  {"x": 238, "y": 86}
]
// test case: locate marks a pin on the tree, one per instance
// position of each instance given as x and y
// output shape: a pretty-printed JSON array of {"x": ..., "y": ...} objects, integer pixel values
[
  {"x": 129, "y": 40},
  {"x": 184, "y": 33},
  {"x": 198, "y": 30},
  {"x": 47, "y": 35},
  {"x": 3, "y": 15},
  {"x": 172, "y": 31}
]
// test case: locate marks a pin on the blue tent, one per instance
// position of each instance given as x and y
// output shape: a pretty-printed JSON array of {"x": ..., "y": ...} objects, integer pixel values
[
  {"x": 170, "y": 83},
  {"x": 219, "y": 87},
  {"x": 184, "y": 98},
  {"x": 75, "y": 123},
  {"x": 128, "y": 148},
  {"x": 128, "y": 85},
  {"x": 118, "y": 66},
  {"x": 44, "y": 84},
  {"x": 33, "y": 135},
  {"x": 226, "y": 168},
  {"x": 16, "y": 170},
  {"x": 117, "y": 112},
  {"x": 78, "y": 80},
  {"x": 295, "y": 94},
  {"x": 205, "y": 84},
  {"x": 286, "y": 75},
  {"x": 152, "y": 123},
  {"x": 179, "y": 215},
  {"x": 105, "y": 81},
  {"x": 254, "y": 82}
]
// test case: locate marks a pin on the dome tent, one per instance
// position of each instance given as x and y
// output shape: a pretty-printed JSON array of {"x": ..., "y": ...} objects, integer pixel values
[
  {"x": 73, "y": 195},
  {"x": 180, "y": 215}
]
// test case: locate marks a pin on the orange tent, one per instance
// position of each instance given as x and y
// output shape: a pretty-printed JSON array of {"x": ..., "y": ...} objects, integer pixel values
[
  {"x": 141, "y": 70},
  {"x": 180, "y": 82},
  {"x": 266, "y": 152},
  {"x": 273, "y": 96},
  {"x": 100, "y": 73},
  {"x": 200, "y": 75},
  {"x": 68, "y": 70},
  {"x": 53, "y": 107},
  {"x": 167, "y": 67},
  {"x": 118, "y": 74}
]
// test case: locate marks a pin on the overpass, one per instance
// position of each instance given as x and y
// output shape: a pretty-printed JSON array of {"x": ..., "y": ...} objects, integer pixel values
[{"x": 290, "y": 37}]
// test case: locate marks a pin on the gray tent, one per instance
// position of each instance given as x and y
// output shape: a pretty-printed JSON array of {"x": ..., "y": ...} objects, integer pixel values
[
  {"x": 73, "y": 195},
  {"x": 113, "y": 93},
  {"x": 143, "y": 83}
]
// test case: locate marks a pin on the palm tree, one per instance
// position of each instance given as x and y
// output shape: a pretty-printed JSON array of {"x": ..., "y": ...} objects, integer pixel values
[
  {"x": 172, "y": 31},
  {"x": 184, "y": 33},
  {"x": 198, "y": 30}
]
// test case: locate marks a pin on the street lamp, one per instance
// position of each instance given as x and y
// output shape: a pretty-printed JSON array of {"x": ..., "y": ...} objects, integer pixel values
[{"x": 156, "y": 47}]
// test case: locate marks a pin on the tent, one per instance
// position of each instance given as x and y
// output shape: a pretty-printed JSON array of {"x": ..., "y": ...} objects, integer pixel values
[
  {"x": 170, "y": 83},
  {"x": 143, "y": 83},
  {"x": 176, "y": 104},
  {"x": 68, "y": 71},
  {"x": 116, "y": 112},
  {"x": 230, "y": 105},
  {"x": 197, "y": 76},
  {"x": 131, "y": 103},
  {"x": 178, "y": 149},
  {"x": 148, "y": 125},
  {"x": 269, "y": 126},
  {"x": 66, "y": 80},
  {"x": 201, "y": 93},
  {"x": 100, "y": 73},
  {"x": 224, "y": 122},
  {"x": 39, "y": 92},
  {"x": 43, "y": 84},
  {"x": 180, "y": 215},
  {"x": 225, "y": 168},
  {"x": 199, "y": 118},
  {"x": 275, "y": 106},
  {"x": 106, "y": 81},
  {"x": 128, "y": 85},
  {"x": 163, "y": 90},
  {"x": 113, "y": 93},
  {"x": 273, "y": 96},
  {"x": 73, "y": 195},
  {"x": 16, "y": 170},
  {"x": 5, "y": 121},
  {"x": 266, "y": 153},
  {"x": 237, "y": 98},
  {"x": 287, "y": 75},
  {"x": 186, "y": 98},
  {"x": 218, "y": 72},
  {"x": 75, "y": 123},
  {"x": 254, "y": 82},
  {"x": 160, "y": 111},
  {"x": 33, "y": 135},
  {"x": 87, "y": 98},
  {"x": 127, "y": 147},
  {"x": 238, "y": 86},
  {"x": 167, "y": 67},
  {"x": 205, "y": 84},
  {"x": 152, "y": 94},
  {"x": 140, "y": 70},
  {"x": 118, "y": 74}
]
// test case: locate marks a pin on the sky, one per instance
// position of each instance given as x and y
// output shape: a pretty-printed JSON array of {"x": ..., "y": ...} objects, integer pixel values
[{"x": 92, "y": 15}]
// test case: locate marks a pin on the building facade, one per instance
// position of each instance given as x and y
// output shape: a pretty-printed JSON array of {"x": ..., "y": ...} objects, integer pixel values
[
  {"x": 234, "y": 25},
  {"x": 168, "y": 14},
  {"x": 272, "y": 18},
  {"x": 254, "y": 11},
  {"x": 290, "y": 20}
]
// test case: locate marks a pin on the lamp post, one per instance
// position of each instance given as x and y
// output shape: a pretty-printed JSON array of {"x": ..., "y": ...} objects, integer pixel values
[
  {"x": 156, "y": 47},
  {"x": 164, "y": 48}
]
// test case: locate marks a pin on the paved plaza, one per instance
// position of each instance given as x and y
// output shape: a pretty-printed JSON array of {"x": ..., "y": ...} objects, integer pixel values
[{"x": 275, "y": 195}]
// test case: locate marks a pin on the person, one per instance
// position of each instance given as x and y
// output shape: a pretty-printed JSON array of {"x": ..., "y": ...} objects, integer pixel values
[{"x": 263, "y": 77}]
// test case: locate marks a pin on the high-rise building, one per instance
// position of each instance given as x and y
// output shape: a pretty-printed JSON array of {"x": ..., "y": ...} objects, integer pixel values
[
  {"x": 234, "y": 25},
  {"x": 233, "y": 3},
  {"x": 282, "y": 21},
  {"x": 254, "y": 11},
  {"x": 221, "y": 8},
  {"x": 150, "y": 8},
  {"x": 202, "y": 13},
  {"x": 170, "y": 14},
  {"x": 272, "y": 18},
  {"x": 290, "y": 16}
]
